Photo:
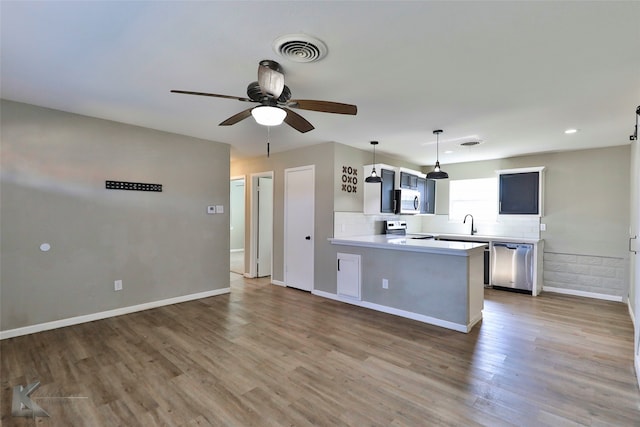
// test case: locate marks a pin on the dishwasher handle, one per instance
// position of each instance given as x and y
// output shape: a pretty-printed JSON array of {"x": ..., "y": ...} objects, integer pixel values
[{"x": 511, "y": 246}]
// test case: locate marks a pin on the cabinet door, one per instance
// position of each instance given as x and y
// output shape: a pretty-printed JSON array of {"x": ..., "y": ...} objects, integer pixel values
[
  {"x": 408, "y": 180},
  {"x": 387, "y": 199},
  {"x": 348, "y": 278},
  {"x": 430, "y": 200},
  {"x": 519, "y": 193},
  {"x": 427, "y": 188}
]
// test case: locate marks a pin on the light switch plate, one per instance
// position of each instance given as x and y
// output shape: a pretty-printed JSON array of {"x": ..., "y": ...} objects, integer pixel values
[
  {"x": 219, "y": 209},
  {"x": 543, "y": 227},
  {"x": 211, "y": 209}
]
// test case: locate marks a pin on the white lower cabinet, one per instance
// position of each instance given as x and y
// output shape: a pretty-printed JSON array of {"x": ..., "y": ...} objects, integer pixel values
[{"x": 349, "y": 277}]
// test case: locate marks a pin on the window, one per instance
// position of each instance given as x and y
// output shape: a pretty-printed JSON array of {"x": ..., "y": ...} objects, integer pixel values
[{"x": 478, "y": 197}]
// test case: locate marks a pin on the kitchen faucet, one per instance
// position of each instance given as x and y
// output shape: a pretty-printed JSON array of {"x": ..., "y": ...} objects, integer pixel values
[{"x": 464, "y": 221}]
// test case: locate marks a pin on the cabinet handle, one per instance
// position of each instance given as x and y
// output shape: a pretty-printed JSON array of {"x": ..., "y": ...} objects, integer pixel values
[
  {"x": 630, "y": 239},
  {"x": 338, "y": 264}
]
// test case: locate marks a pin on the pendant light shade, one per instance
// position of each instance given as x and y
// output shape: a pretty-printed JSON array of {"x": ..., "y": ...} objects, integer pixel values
[
  {"x": 374, "y": 176},
  {"x": 437, "y": 172},
  {"x": 268, "y": 116}
]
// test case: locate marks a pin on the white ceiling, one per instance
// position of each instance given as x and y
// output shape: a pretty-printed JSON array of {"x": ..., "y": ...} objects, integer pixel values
[{"x": 513, "y": 75}]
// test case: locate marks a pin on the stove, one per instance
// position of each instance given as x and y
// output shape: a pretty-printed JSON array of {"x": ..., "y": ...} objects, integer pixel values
[{"x": 399, "y": 228}]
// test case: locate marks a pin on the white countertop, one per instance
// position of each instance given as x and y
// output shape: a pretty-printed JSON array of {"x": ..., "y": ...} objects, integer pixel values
[
  {"x": 482, "y": 238},
  {"x": 403, "y": 243}
]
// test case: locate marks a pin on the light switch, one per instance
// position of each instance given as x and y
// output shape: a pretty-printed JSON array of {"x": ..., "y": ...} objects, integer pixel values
[
  {"x": 219, "y": 209},
  {"x": 211, "y": 209}
]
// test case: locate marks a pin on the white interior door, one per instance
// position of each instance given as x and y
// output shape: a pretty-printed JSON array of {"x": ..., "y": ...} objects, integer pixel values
[
  {"x": 299, "y": 201},
  {"x": 237, "y": 223},
  {"x": 265, "y": 225}
]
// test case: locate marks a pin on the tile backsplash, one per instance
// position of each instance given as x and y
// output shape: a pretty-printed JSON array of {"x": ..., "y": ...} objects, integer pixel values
[
  {"x": 347, "y": 224},
  {"x": 357, "y": 224}
]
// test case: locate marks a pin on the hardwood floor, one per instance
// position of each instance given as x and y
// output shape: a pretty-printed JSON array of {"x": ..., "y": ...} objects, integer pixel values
[{"x": 271, "y": 356}]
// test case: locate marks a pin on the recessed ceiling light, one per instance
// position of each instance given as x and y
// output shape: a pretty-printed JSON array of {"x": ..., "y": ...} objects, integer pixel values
[
  {"x": 570, "y": 131},
  {"x": 448, "y": 152}
]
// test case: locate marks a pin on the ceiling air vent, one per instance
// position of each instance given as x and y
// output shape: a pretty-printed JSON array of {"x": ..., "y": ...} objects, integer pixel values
[
  {"x": 300, "y": 48},
  {"x": 469, "y": 143}
]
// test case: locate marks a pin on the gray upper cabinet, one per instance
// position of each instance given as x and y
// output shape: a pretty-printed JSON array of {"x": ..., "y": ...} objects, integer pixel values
[
  {"x": 520, "y": 191},
  {"x": 427, "y": 188},
  {"x": 387, "y": 199},
  {"x": 408, "y": 180}
]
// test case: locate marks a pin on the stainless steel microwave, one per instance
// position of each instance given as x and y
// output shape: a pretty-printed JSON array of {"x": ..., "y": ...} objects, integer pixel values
[{"x": 407, "y": 201}]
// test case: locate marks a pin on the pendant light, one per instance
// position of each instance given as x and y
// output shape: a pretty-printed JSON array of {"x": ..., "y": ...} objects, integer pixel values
[
  {"x": 437, "y": 173},
  {"x": 374, "y": 176}
]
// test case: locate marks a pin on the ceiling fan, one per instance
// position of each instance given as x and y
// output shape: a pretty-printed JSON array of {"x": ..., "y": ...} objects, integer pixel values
[{"x": 275, "y": 103}]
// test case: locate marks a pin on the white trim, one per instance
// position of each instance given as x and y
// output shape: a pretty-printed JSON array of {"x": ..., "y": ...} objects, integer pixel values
[
  {"x": 278, "y": 283},
  {"x": 521, "y": 170},
  {"x": 637, "y": 364},
  {"x": 253, "y": 222},
  {"x": 106, "y": 314},
  {"x": 402, "y": 313},
  {"x": 605, "y": 297},
  {"x": 633, "y": 317},
  {"x": 236, "y": 250}
]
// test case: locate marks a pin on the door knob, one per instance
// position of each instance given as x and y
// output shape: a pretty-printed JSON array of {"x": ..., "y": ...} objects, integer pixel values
[{"x": 308, "y": 238}]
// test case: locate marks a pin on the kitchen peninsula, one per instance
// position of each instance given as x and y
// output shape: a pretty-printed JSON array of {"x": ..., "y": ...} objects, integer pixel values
[{"x": 432, "y": 281}]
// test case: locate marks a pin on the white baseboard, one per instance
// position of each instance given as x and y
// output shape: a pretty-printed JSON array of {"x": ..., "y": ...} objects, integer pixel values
[
  {"x": 583, "y": 294},
  {"x": 277, "y": 282},
  {"x": 106, "y": 314},
  {"x": 236, "y": 250},
  {"x": 633, "y": 317},
  {"x": 402, "y": 313}
]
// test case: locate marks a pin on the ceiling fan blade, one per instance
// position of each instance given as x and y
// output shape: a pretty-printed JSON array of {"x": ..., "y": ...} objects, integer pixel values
[
  {"x": 323, "y": 106},
  {"x": 215, "y": 95},
  {"x": 270, "y": 79},
  {"x": 297, "y": 122},
  {"x": 237, "y": 117}
]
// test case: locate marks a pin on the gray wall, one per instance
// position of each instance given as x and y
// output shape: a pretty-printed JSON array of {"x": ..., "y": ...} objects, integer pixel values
[
  {"x": 161, "y": 244},
  {"x": 328, "y": 159},
  {"x": 321, "y": 156},
  {"x": 586, "y": 203},
  {"x": 349, "y": 156}
]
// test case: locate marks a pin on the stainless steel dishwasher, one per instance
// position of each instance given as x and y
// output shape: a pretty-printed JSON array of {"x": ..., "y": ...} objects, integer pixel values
[{"x": 512, "y": 266}]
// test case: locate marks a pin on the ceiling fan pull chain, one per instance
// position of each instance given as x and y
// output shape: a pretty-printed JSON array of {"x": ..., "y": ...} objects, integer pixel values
[{"x": 268, "y": 142}]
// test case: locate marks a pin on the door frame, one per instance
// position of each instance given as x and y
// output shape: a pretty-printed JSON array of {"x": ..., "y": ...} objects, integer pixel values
[
  {"x": 244, "y": 219},
  {"x": 252, "y": 271},
  {"x": 312, "y": 168}
]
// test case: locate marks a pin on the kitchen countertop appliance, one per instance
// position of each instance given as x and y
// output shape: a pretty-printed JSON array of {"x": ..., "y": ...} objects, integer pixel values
[
  {"x": 512, "y": 267},
  {"x": 407, "y": 201}
]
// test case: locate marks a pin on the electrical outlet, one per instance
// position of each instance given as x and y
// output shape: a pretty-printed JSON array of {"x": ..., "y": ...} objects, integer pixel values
[
  {"x": 543, "y": 227},
  {"x": 385, "y": 284},
  {"x": 211, "y": 209},
  {"x": 219, "y": 209},
  {"x": 117, "y": 285}
]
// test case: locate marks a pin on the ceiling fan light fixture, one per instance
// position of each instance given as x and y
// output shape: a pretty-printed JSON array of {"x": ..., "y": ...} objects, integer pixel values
[
  {"x": 437, "y": 172},
  {"x": 266, "y": 115}
]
